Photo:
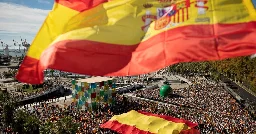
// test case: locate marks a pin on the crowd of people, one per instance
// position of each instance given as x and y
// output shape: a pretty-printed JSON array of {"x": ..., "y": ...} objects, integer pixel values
[
  {"x": 10, "y": 73},
  {"x": 207, "y": 103},
  {"x": 204, "y": 102},
  {"x": 90, "y": 121},
  {"x": 216, "y": 112}
]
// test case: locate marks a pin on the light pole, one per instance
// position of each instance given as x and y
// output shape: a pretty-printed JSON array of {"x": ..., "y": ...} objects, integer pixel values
[{"x": 188, "y": 90}]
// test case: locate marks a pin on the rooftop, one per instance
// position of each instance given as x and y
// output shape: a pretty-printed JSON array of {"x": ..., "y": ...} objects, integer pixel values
[{"x": 95, "y": 79}]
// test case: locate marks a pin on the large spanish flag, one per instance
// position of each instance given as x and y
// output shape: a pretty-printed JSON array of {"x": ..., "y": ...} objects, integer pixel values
[
  {"x": 140, "y": 122},
  {"x": 130, "y": 37}
]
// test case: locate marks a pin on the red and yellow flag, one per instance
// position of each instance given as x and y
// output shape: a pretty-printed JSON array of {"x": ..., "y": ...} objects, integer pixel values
[
  {"x": 135, "y": 122},
  {"x": 130, "y": 37}
]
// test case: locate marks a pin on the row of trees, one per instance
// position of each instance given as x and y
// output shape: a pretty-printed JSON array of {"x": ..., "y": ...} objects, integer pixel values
[
  {"x": 241, "y": 69},
  {"x": 23, "y": 122}
]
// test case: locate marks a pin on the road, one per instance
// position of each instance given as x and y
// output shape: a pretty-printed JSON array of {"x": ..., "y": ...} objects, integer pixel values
[{"x": 240, "y": 91}]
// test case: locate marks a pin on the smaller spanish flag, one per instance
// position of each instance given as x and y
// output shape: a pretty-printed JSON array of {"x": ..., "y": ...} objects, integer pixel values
[{"x": 148, "y": 123}]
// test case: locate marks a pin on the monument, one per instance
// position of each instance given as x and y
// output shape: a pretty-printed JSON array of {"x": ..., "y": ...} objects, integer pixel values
[{"x": 92, "y": 92}]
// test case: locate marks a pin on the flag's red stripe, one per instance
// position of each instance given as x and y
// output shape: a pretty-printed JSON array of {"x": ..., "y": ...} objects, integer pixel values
[
  {"x": 28, "y": 71},
  {"x": 169, "y": 118},
  {"x": 80, "y": 5},
  {"x": 190, "y": 131},
  {"x": 183, "y": 44},
  {"x": 123, "y": 128},
  {"x": 127, "y": 129}
]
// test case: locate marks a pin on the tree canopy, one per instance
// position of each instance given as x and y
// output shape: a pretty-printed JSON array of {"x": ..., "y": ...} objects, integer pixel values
[{"x": 241, "y": 69}]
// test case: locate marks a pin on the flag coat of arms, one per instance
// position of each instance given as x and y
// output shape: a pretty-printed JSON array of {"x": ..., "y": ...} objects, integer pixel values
[{"x": 131, "y": 37}]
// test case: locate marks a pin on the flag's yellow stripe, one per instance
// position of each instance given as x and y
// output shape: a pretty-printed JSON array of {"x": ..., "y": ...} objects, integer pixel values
[
  {"x": 176, "y": 17},
  {"x": 250, "y": 8},
  {"x": 185, "y": 14},
  {"x": 106, "y": 23},
  {"x": 120, "y": 22},
  {"x": 149, "y": 123},
  {"x": 53, "y": 26},
  {"x": 124, "y": 21}
]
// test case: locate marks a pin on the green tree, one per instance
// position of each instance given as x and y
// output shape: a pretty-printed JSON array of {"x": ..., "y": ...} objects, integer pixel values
[
  {"x": 47, "y": 128},
  {"x": 63, "y": 126},
  {"x": 25, "y": 123},
  {"x": 8, "y": 104},
  {"x": 67, "y": 126},
  {"x": 52, "y": 72},
  {"x": 241, "y": 69}
]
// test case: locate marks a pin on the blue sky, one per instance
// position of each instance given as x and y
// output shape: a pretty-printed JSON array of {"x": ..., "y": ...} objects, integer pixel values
[
  {"x": 40, "y": 4},
  {"x": 22, "y": 19}
]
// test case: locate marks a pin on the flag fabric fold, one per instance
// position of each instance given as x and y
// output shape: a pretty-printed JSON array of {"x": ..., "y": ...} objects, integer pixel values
[
  {"x": 148, "y": 123},
  {"x": 131, "y": 37}
]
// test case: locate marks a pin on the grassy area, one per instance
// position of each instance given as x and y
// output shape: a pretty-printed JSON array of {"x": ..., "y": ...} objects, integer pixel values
[{"x": 30, "y": 90}]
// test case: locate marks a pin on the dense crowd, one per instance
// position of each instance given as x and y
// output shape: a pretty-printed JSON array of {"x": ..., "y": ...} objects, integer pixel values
[
  {"x": 208, "y": 104},
  {"x": 90, "y": 121},
  {"x": 10, "y": 73},
  {"x": 204, "y": 102}
]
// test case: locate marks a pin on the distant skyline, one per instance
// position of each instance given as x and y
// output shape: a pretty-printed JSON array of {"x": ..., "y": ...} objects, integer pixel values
[{"x": 22, "y": 19}]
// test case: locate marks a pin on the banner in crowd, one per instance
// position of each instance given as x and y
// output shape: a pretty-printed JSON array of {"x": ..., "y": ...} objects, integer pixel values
[
  {"x": 131, "y": 37},
  {"x": 147, "y": 123}
]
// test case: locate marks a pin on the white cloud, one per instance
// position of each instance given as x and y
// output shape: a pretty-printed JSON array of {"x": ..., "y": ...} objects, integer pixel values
[
  {"x": 44, "y": 1},
  {"x": 20, "y": 20}
]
